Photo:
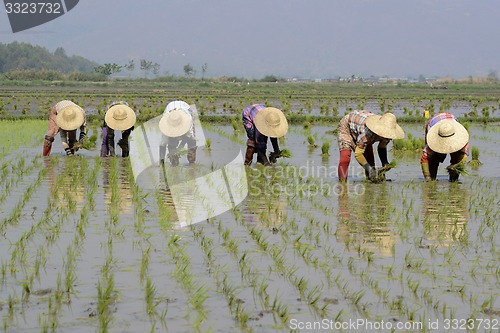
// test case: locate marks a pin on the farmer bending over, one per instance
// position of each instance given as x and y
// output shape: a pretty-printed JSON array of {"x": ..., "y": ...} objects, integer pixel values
[
  {"x": 177, "y": 127},
  {"x": 444, "y": 135},
  {"x": 261, "y": 122},
  {"x": 65, "y": 117},
  {"x": 119, "y": 117},
  {"x": 358, "y": 131}
]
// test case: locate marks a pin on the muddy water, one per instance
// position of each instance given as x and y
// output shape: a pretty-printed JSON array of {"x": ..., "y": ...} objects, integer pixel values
[{"x": 89, "y": 250}]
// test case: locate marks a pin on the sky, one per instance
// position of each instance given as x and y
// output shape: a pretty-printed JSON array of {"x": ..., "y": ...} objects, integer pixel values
[{"x": 287, "y": 38}]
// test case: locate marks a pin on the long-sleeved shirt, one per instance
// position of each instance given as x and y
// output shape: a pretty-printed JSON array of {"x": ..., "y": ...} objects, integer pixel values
[
  {"x": 54, "y": 129},
  {"x": 361, "y": 134},
  {"x": 253, "y": 133},
  {"x": 428, "y": 152},
  {"x": 180, "y": 105}
]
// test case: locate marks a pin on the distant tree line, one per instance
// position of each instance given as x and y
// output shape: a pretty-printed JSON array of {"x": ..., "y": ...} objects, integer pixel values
[
  {"x": 26, "y": 62},
  {"x": 23, "y": 56}
]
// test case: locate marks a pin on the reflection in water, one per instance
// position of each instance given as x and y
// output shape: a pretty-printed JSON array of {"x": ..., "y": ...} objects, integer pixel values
[
  {"x": 444, "y": 210},
  {"x": 266, "y": 201},
  {"x": 67, "y": 180},
  {"x": 364, "y": 220},
  {"x": 195, "y": 193},
  {"x": 117, "y": 192}
]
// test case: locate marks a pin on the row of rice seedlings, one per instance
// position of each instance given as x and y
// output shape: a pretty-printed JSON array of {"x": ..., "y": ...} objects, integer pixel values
[
  {"x": 315, "y": 233},
  {"x": 32, "y": 270},
  {"x": 309, "y": 294},
  {"x": 10, "y": 179},
  {"x": 449, "y": 256},
  {"x": 16, "y": 212},
  {"x": 253, "y": 274},
  {"x": 221, "y": 272},
  {"x": 196, "y": 291},
  {"x": 376, "y": 289}
]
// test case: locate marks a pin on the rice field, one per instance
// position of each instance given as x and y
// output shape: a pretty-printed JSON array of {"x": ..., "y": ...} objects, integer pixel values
[{"x": 84, "y": 248}]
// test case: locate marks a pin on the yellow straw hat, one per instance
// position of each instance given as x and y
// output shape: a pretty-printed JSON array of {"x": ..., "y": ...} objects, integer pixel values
[
  {"x": 447, "y": 136},
  {"x": 176, "y": 123},
  {"x": 120, "y": 117},
  {"x": 69, "y": 115},
  {"x": 385, "y": 126},
  {"x": 271, "y": 122}
]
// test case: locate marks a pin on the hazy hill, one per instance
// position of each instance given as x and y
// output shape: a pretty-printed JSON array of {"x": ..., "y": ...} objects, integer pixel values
[{"x": 24, "y": 56}]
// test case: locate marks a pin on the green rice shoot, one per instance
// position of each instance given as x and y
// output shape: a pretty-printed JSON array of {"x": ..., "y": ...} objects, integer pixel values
[
  {"x": 460, "y": 168},
  {"x": 286, "y": 153}
]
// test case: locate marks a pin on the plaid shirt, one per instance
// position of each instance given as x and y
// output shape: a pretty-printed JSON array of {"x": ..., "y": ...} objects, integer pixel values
[
  {"x": 360, "y": 133},
  {"x": 428, "y": 152},
  {"x": 248, "y": 115}
]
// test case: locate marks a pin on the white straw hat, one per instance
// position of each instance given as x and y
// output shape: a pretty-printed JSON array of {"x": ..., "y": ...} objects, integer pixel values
[
  {"x": 175, "y": 123},
  {"x": 176, "y": 105},
  {"x": 69, "y": 115},
  {"x": 385, "y": 126},
  {"x": 120, "y": 117},
  {"x": 271, "y": 122},
  {"x": 447, "y": 136}
]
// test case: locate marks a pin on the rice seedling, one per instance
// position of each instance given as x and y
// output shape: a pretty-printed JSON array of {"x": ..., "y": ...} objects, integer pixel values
[
  {"x": 312, "y": 142},
  {"x": 325, "y": 149},
  {"x": 475, "y": 162},
  {"x": 458, "y": 168}
]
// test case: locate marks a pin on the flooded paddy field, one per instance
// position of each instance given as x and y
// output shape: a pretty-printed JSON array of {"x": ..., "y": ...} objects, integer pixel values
[{"x": 85, "y": 248}]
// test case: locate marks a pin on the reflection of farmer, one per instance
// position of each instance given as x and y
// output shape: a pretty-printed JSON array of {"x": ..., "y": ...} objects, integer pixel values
[
  {"x": 177, "y": 126},
  {"x": 444, "y": 135},
  {"x": 265, "y": 203},
  {"x": 65, "y": 117},
  {"x": 444, "y": 212},
  {"x": 119, "y": 117},
  {"x": 260, "y": 123},
  {"x": 117, "y": 191},
  {"x": 358, "y": 131},
  {"x": 364, "y": 219}
]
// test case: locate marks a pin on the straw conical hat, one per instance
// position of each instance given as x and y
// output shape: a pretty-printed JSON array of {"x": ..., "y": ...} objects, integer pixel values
[
  {"x": 120, "y": 117},
  {"x": 385, "y": 126},
  {"x": 447, "y": 136},
  {"x": 176, "y": 123},
  {"x": 271, "y": 122},
  {"x": 69, "y": 116}
]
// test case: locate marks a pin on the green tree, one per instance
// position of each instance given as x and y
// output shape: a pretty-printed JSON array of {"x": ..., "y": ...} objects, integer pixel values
[
  {"x": 204, "y": 70},
  {"x": 188, "y": 70},
  {"x": 108, "y": 69},
  {"x": 146, "y": 66},
  {"x": 156, "y": 68}
]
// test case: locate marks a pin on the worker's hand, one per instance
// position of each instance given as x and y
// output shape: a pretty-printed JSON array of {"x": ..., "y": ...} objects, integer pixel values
[
  {"x": 373, "y": 175},
  {"x": 273, "y": 156},
  {"x": 78, "y": 145},
  {"x": 262, "y": 158},
  {"x": 385, "y": 168},
  {"x": 371, "y": 171},
  {"x": 452, "y": 171}
]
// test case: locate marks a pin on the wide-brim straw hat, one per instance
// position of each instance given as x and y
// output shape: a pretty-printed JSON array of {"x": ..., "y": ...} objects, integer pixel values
[
  {"x": 70, "y": 117},
  {"x": 120, "y": 117},
  {"x": 447, "y": 136},
  {"x": 385, "y": 126},
  {"x": 175, "y": 123},
  {"x": 271, "y": 122}
]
